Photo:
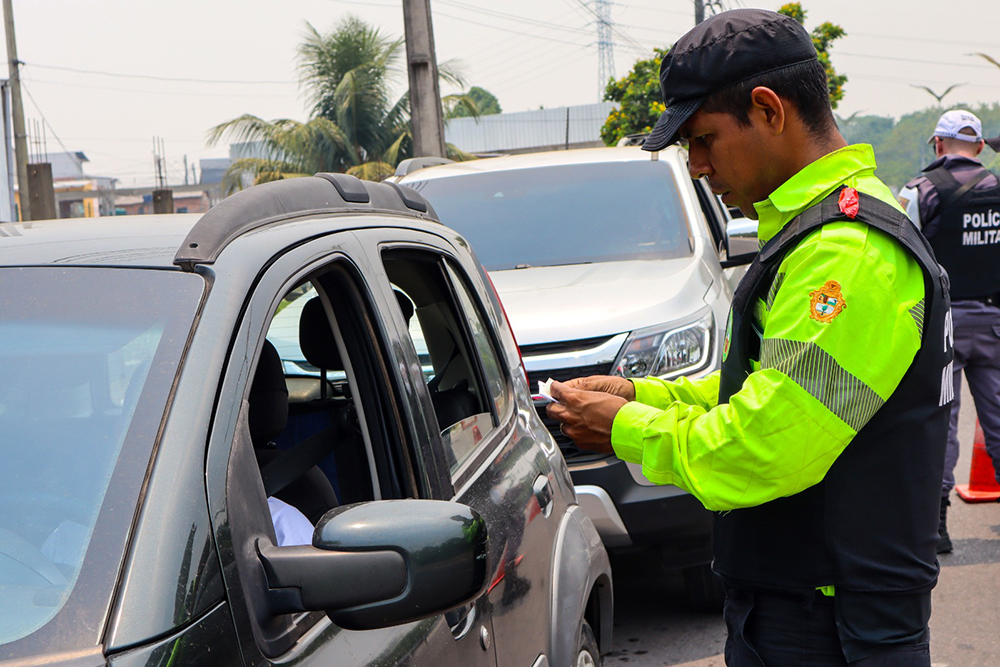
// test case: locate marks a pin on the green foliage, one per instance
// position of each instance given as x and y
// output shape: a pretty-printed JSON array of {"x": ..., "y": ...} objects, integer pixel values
[
  {"x": 354, "y": 124},
  {"x": 639, "y": 100},
  {"x": 901, "y": 148},
  {"x": 482, "y": 101},
  {"x": 823, "y": 37}
]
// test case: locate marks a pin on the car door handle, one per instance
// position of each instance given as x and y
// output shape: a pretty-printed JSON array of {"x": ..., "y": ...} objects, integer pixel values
[{"x": 543, "y": 494}]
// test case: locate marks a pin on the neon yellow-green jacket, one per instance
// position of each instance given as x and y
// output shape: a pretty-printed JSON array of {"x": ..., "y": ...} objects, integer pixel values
[{"x": 778, "y": 436}]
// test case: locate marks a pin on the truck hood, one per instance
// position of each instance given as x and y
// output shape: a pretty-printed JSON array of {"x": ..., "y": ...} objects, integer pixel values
[{"x": 559, "y": 303}]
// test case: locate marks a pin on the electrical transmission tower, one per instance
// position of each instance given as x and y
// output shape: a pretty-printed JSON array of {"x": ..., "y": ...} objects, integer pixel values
[{"x": 605, "y": 46}]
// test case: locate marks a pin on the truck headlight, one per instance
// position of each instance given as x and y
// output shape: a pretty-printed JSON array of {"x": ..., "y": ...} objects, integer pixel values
[{"x": 667, "y": 350}]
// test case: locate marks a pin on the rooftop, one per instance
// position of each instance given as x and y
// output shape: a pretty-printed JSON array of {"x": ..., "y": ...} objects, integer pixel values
[{"x": 125, "y": 240}]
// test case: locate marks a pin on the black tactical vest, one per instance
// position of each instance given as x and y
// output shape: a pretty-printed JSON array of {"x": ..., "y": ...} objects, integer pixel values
[
  {"x": 870, "y": 527},
  {"x": 967, "y": 243}
]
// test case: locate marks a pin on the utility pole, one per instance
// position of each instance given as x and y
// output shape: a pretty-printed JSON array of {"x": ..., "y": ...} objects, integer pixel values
[
  {"x": 699, "y": 12},
  {"x": 425, "y": 95},
  {"x": 17, "y": 107}
]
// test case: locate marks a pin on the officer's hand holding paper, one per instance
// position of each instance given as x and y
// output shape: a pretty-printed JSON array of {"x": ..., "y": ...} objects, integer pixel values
[
  {"x": 586, "y": 416},
  {"x": 609, "y": 384}
]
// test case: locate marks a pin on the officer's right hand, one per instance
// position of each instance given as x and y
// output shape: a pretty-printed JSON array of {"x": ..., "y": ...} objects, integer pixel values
[{"x": 609, "y": 384}]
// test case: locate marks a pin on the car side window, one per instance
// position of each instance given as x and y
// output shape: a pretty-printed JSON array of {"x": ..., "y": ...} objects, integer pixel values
[
  {"x": 444, "y": 340},
  {"x": 323, "y": 422},
  {"x": 486, "y": 347}
]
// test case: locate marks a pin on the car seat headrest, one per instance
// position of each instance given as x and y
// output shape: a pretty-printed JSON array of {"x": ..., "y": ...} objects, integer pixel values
[
  {"x": 316, "y": 337},
  {"x": 405, "y": 305},
  {"x": 268, "y": 399}
]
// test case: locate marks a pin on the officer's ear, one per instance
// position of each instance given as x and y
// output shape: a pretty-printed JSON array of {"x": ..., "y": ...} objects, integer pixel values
[{"x": 768, "y": 110}]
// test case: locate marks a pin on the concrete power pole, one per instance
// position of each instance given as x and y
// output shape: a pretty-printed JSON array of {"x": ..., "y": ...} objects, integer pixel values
[
  {"x": 20, "y": 136},
  {"x": 425, "y": 96}
]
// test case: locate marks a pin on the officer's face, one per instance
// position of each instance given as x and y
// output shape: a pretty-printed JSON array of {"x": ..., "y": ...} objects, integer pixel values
[{"x": 733, "y": 157}]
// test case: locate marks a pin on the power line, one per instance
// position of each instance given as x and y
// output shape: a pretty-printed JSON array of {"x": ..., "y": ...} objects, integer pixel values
[
  {"x": 909, "y": 80},
  {"x": 910, "y": 60},
  {"x": 511, "y": 30},
  {"x": 553, "y": 65},
  {"x": 550, "y": 65},
  {"x": 153, "y": 77},
  {"x": 143, "y": 91},
  {"x": 510, "y": 17},
  {"x": 44, "y": 119}
]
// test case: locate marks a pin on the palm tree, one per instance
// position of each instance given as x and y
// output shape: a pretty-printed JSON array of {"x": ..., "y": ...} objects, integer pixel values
[{"x": 355, "y": 126}]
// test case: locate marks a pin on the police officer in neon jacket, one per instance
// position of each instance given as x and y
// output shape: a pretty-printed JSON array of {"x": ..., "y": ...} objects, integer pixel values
[{"x": 820, "y": 443}]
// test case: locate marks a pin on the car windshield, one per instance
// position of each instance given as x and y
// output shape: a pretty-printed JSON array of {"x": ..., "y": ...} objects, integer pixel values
[
  {"x": 87, "y": 358},
  {"x": 565, "y": 214}
]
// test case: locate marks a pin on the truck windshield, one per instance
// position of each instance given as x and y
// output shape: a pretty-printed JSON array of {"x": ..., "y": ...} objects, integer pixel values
[
  {"x": 87, "y": 359},
  {"x": 564, "y": 214}
]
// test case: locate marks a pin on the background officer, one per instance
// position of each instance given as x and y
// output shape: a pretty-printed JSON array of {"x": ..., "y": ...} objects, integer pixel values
[
  {"x": 820, "y": 443},
  {"x": 953, "y": 186}
]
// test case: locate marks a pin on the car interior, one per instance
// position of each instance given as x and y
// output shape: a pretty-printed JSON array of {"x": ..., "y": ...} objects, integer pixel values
[{"x": 312, "y": 447}]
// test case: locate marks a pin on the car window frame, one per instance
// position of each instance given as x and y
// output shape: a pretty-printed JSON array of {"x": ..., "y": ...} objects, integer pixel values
[
  {"x": 110, "y": 543},
  {"x": 714, "y": 217},
  {"x": 289, "y": 269},
  {"x": 490, "y": 445}
]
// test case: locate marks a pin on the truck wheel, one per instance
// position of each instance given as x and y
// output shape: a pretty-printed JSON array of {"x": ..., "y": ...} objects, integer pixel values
[
  {"x": 704, "y": 589},
  {"x": 588, "y": 654}
]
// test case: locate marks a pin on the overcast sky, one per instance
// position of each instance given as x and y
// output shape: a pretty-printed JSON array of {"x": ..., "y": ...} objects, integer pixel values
[{"x": 108, "y": 75}]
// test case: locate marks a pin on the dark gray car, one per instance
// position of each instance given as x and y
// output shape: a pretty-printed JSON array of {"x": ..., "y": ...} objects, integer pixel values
[{"x": 321, "y": 346}]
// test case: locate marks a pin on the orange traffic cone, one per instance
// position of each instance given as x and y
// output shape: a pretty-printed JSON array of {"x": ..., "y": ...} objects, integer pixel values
[{"x": 982, "y": 486}]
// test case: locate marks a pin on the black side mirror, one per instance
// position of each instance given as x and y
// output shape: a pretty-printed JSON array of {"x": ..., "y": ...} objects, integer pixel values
[
  {"x": 741, "y": 242},
  {"x": 382, "y": 563}
]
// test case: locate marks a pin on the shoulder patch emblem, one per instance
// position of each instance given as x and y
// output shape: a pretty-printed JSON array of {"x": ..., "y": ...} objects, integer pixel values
[{"x": 827, "y": 302}]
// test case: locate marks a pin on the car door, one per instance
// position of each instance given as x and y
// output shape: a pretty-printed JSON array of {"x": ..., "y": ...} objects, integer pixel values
[
  {"x": 379, "y": 460},
  {"x": 461, "y": 376}
]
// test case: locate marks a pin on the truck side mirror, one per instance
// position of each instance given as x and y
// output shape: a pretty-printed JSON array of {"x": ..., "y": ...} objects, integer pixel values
[
  {"x": 741, "y": 242},
  {"x": 382, "y": 563}
]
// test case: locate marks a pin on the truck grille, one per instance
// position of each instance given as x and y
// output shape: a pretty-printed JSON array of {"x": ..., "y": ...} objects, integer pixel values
[{"x": 570, "y": 452}]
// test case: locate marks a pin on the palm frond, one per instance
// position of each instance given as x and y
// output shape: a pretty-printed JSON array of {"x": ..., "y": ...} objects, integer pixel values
[
  {"x": 457, "y": 154},
  {"x": 372, "y": 171},
  {"x": 450, "y": 71},
  {"x": 391, "y": 155},
  {"x": 988, "y": 58},
  {"x": 252, "y": 170},
  {"x": 451, "y": 103}
]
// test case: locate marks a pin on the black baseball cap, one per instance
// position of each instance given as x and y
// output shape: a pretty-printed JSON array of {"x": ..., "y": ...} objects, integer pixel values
[{"x": 719, "y": 52}]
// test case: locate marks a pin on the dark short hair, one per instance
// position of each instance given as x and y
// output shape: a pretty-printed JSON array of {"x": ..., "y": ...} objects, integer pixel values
[{"x": 803, "y": 84}]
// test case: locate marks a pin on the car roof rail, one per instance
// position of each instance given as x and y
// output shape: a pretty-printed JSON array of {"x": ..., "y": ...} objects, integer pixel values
[
  {"x": 410, "y": 165},
  {"x": 289, "y": 199}
]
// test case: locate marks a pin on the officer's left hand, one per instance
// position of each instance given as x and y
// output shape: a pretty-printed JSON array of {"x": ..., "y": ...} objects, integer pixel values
[{"x": 586, "y": 416}]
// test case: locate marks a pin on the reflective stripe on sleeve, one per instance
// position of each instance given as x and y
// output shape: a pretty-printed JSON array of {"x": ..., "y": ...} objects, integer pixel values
[{"x": 823, "y": 378}]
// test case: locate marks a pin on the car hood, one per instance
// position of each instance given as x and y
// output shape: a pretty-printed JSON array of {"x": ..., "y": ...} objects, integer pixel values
[{"x": 559, "y": 303}]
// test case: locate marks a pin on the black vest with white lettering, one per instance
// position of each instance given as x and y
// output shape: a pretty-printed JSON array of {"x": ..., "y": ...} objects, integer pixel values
[
  {"x": 870, "y": 527},
  {"x": 967, "y": 242}
]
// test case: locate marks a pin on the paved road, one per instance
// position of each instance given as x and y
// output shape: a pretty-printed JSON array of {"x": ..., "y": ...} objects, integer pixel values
[{"x": 653, "y": 627}]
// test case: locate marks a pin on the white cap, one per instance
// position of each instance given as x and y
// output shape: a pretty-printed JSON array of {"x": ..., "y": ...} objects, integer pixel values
[{"x": 958, "y": 119}]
